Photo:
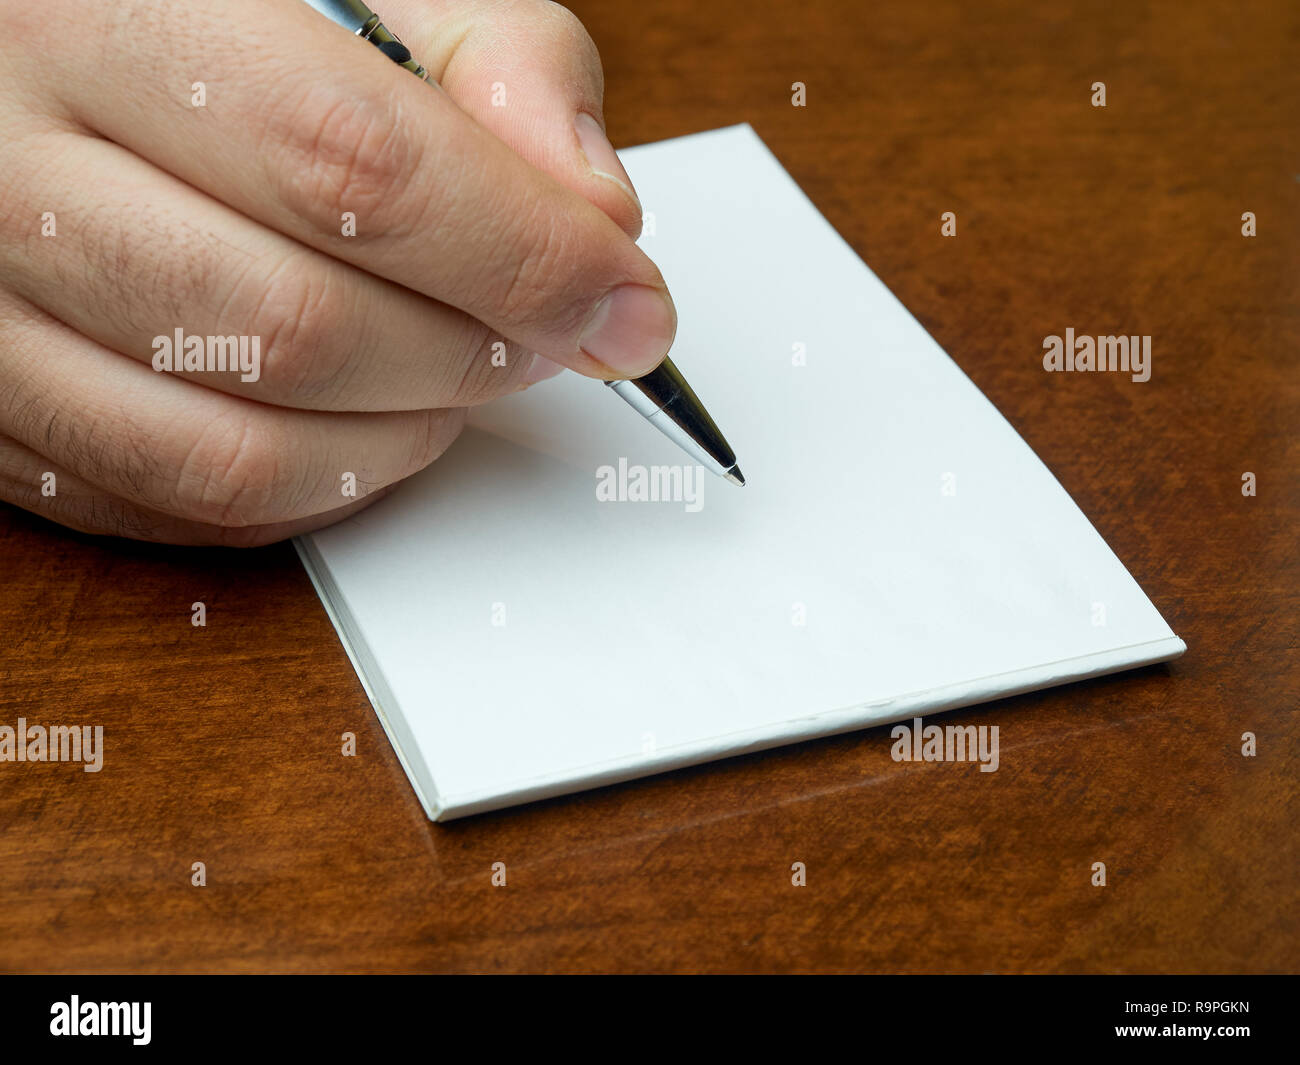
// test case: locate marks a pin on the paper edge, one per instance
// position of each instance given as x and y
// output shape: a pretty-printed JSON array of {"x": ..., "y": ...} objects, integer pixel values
[
  {"x": 398, "y": 733},
  {"x": 856, "y": 718}
]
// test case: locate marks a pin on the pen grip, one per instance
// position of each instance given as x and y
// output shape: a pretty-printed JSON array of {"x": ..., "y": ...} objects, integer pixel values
[
  {"x": 353, "y": 15},
  {"x": 388, "y": 42}
]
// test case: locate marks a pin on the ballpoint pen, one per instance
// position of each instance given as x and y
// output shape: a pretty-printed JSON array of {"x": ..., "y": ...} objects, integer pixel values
[{"x": 662, "y": 396}]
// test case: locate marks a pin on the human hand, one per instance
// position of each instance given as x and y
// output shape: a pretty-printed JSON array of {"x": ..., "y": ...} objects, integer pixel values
[{"x": 254, "y": 172}]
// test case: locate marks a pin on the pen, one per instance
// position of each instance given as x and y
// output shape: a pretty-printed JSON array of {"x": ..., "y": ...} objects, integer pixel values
[{"x": 662, "y": 396}]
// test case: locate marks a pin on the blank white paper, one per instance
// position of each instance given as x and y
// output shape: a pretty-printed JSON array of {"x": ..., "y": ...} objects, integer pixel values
[{"x": 898, "y": 549}]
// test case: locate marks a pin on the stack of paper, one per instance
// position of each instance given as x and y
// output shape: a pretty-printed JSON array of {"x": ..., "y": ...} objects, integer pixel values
[{"x": 526, "y": 624}]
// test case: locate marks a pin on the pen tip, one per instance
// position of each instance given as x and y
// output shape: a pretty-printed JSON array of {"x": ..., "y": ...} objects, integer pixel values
[{"x": 735, "y": 476}]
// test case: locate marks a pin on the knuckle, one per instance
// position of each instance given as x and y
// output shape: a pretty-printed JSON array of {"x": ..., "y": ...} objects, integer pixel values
[
  {"x": 231, "y": 475},
  {"x": 337, "y": 150},
  {"x": 542, "y": 253},
  {"x": 434, "y": 432},
  {"x": 297, "y": 318},
  {"x": 494, "y": 368}
]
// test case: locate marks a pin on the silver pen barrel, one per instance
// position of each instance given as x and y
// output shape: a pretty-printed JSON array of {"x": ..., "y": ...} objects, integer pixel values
[{"x": 668, "y": 403}]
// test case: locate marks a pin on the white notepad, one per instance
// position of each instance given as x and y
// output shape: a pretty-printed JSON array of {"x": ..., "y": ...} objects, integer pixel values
[{"x": 898, "y": 549}]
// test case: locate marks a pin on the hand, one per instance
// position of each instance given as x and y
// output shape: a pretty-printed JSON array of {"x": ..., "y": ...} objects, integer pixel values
[{"x": 250, "y": 170}]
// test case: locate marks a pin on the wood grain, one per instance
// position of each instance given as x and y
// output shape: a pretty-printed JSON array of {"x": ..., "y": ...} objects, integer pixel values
[{"x": 223, "y": 742}]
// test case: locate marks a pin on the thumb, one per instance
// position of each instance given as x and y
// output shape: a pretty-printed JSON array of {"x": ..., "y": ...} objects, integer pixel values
[{"x": 527, "y": 71}]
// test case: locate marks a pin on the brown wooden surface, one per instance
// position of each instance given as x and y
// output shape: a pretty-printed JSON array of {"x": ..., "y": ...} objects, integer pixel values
[{"x": 223, "y": 743}]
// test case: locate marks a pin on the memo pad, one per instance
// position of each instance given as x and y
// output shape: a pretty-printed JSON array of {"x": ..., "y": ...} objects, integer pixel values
[{"x": 561, "y": 601}]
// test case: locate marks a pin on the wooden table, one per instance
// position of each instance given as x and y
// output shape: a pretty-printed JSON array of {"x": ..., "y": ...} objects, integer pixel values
[{"x": 223, "y": 742}]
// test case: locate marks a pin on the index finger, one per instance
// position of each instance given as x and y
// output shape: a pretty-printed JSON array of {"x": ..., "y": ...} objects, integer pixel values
[{"x": 329, "y": 142}]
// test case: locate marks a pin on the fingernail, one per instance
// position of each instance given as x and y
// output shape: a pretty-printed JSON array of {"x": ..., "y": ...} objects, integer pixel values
[
  {"x": 601, "y": 156},
  {"x": 540, "y": 369},
  {"x": 631, "y": 329}
]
